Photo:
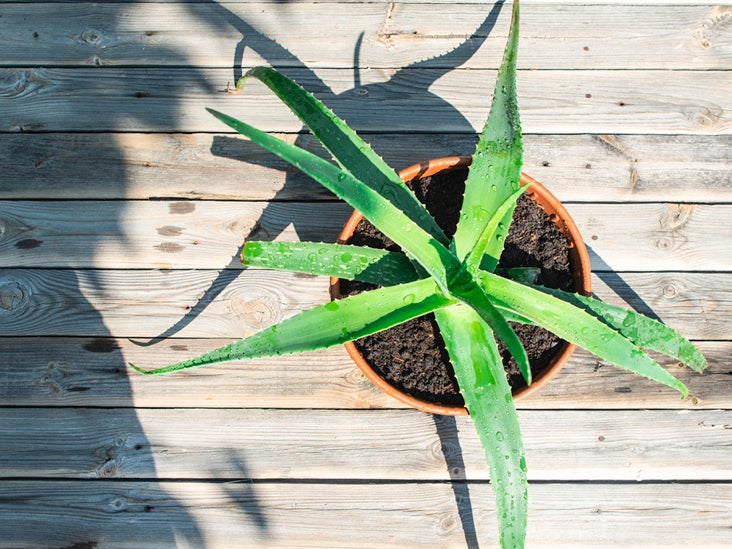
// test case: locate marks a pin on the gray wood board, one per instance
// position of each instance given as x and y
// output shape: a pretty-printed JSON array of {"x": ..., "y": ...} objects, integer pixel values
[
  {"x": 154, "y": 444},
  {"x": 98, "y": 303},
  {"x": 577, "y": 168},
  {"x": 383, "y": 515},
  {"x": 57, "y": 371},
  {"x": 372, "y": 35},
  {"x": 415, "y": 100},
  {"x": 208, "y": 234}
]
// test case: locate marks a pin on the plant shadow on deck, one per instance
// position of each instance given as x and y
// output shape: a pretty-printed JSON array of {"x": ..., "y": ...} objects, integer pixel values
[{"x": 270, "y": 225}]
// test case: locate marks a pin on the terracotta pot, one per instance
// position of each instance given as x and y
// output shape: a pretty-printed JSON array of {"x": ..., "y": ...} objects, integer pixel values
[{"x": 579, "y": 264}]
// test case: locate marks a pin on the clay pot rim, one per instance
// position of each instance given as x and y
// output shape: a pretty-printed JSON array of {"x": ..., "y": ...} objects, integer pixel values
[{"x": 579, "y": 261}]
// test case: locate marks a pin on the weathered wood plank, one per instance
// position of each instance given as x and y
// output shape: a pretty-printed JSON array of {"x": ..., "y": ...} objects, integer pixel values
[
  {"x": 446, "y": 2},
  {"x": 207, "y": 234},
  {"x": 356, "y": 445},
  {"x": 385, "y": 515},
  {"x": 179, "y": 234},
  {"x": 97, "y": 303},
  {"x": 93, "y": 372},
  {"x": 577, "y": 168},
  {"x": 370, "y": 34},
  {"x": 417, "y": 100}
]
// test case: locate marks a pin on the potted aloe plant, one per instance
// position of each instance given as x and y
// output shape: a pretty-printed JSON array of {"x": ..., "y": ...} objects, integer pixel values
[{"x": 454, "y": 278}]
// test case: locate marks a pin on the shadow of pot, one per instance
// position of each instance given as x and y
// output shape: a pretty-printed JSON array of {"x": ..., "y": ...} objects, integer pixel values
[{"x": 579, "y": 265}]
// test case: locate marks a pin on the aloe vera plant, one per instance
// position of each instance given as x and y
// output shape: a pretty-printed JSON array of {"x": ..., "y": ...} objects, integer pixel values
[{"x": 454, "y": 278}]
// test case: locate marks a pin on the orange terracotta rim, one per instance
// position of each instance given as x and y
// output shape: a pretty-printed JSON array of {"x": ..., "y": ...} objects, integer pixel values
[{"x": 579, "y": 265}]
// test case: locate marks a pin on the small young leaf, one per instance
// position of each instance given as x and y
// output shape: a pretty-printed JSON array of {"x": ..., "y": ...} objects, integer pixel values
[
  {"x": 482, "y": 380},
  {"x": 327, "y": 325},
  {"x": 475, "y": 257},
  {"x": 523, "y": 275}
]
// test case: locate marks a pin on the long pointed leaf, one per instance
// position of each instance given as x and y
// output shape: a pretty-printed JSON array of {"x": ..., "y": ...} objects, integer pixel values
[
  {"x": 351, "y": 152},
  {"x": 495, "y": 171},
  {"x": 361, "y": 263},
  {"x": 372, "y": 265},
  {"x": 437, "y": 260},
  {"x": 641, "y": 330},
  {"x": 577, "y": 326},
  {"x": 482, "y": 380},
  {"x": 327, "y": 325}
]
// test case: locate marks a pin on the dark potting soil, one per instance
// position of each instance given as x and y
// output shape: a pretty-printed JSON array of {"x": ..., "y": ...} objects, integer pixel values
[{"x": 412, "y": 355}]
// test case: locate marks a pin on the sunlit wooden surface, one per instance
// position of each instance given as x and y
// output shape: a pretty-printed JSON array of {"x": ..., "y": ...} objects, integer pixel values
[{"x": 123, "y": 205}]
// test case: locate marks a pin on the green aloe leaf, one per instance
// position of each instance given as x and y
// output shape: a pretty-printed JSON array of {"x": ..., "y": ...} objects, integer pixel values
[
  {"x": 641, "y": 330},
  {"x": 327, "y": 325},
  {"x": 476, "y": 255},
  {"x": 351, "y": 152},
  {"x": 476, "y": 297},
  {"x": 380, "y": 267},
  {"x": 577, "y": 326},
  {"x": 482, "y": 380},
  {"x": 523, "y": 275},
  {"x": 495, "y": 172},
  {"x": 436, "y": 259},
  {"x": 375, "y": 266}
]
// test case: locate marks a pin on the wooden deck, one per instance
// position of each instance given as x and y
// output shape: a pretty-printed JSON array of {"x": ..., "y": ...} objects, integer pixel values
[{"x": 123, "y": 204}]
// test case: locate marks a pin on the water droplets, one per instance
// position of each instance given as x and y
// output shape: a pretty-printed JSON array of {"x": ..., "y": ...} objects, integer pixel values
[
  {"x": 499, "y": 436},
  {"x": 408, "y": 299},
  {"x": 480, "y": 214}
]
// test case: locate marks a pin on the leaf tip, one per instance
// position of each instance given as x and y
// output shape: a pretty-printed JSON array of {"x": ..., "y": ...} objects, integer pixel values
[{"x": 140, "y": 370}]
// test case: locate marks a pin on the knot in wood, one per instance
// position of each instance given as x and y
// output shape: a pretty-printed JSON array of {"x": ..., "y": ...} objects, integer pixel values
[
  {"x": 91, "y": 36},
  {"x": 109, "y": 469},
  {"x": 704, "y": 117},
  {"x": 15, "y": 84},
  {"x": 258, "y": 311},
  {"x": 447, "y": 523},
  {"x": 664, "y": 244},
  {"x": 13, "y": 296},
  {"x": 117, "y": 504},
  {"x": 669, "y": 290}
]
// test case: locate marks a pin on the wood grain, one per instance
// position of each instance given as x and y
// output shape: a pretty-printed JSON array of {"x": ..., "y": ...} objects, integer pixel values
[
  {"x": 416, "y": 100},
  {"x": 122, "y": 205},
  {"x": 357, "y": 445},
  {"x": 209, "y": 35},
  {"x": 577, "y": 168},
  {"x": 129, "y": 514},
  {"x": 207, "y": 234},
  {"x": 59, "y": 371},
  {"x": 445, "y": 2},
  {"x": 98, "y": 303}
]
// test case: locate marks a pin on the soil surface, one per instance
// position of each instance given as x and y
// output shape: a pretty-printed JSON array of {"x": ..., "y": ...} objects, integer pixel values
[{"x": 412, "y": 355}]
